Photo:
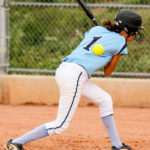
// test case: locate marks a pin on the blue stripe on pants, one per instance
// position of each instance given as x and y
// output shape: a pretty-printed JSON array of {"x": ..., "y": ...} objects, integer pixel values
[{"x": 71, "y": 104}]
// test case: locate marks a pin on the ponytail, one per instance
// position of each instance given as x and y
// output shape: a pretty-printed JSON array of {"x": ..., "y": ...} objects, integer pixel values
[{"x": 110, "y": 25}]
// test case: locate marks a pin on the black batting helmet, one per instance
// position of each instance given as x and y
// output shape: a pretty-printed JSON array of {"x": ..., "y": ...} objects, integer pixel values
[{"x": 129, "y": 20}]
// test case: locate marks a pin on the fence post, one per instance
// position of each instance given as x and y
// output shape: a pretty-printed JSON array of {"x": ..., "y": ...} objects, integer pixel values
[{"x": 3, "y": 37}]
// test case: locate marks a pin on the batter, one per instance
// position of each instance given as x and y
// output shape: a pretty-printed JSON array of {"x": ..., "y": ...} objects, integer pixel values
[{"x": 73, "y": 78}]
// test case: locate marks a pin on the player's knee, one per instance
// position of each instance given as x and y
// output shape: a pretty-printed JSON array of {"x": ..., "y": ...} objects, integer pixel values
[
  {"x": 106, "y": 107},
  {"x": 62, "y": 128},
  {"x": 57, "y": 126},
  {"x": 106, "y": 101}
]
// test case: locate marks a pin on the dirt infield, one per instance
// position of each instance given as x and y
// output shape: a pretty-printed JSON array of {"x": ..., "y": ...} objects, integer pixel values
[{"x": 86, "y": 131}]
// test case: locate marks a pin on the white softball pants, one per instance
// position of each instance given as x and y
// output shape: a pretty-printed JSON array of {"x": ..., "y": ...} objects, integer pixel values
[{"x": 73, "y": 82}]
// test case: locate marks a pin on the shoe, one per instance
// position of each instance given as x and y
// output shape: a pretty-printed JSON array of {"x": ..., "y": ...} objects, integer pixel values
[
  {"x": 124, "y": 147},
  {"x": 12, "y": 146}
]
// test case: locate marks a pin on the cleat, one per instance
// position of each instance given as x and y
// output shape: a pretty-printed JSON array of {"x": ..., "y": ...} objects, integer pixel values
[
  {"x": 124, "y": 147},
  {"x": 12, "y": 146}
]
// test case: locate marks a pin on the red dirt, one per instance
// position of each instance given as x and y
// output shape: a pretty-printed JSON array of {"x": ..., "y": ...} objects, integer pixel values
[{"x": 86, "y": 131}]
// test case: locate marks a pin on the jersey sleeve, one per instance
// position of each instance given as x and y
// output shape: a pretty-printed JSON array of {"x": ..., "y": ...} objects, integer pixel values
[
  {"x": 123, "y": 46},
  {"x": 123, "y": 50}
]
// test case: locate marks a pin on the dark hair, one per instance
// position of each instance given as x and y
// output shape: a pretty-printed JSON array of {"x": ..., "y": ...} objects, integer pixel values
[{"x": 110, "y": 25}]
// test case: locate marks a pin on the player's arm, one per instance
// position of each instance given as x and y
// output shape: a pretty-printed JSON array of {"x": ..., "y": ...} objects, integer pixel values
[{"x": 111, "y": 66}]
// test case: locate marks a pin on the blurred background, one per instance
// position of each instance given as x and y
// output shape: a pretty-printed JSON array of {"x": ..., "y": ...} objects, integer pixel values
[{"x": 36, "y": 34}]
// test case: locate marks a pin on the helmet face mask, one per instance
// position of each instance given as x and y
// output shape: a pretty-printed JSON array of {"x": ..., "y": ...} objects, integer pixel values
[
  {"x": 130, "y": 21},
  {"x": 138, "y": 36}
]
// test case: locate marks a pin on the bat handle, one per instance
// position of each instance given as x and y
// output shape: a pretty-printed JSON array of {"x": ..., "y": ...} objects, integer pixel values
[{"x": 95, "y": 22}]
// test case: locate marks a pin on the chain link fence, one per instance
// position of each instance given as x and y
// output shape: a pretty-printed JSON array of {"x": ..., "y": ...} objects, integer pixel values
[
  {"x": 43, "y": 32},
  {"x": 89, "y": 1}
]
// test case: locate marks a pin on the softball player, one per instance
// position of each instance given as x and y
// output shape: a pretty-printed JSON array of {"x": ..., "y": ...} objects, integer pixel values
[{"x": 72, "y": 77}]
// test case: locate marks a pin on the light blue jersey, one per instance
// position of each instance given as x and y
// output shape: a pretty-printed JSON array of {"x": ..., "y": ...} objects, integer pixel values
[{"x": 83, "y": 55}]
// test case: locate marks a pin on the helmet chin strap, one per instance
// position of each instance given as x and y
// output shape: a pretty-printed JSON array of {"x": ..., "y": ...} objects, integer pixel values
[{"x": 126, "y": 30}]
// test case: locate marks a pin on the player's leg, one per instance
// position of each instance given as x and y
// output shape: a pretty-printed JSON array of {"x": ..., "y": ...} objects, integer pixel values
[
  {"x": 70, "y": 82},
  {"x": 97, "y": 95},
  {"x": 70, "y": 79}
]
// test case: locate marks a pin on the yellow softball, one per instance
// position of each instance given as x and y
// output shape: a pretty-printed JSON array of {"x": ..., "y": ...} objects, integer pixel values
[{"x": 98, "y": 49}]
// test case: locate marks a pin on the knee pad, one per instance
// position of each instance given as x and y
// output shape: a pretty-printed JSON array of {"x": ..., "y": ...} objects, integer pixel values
[{"x": 106, "y": 106}]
